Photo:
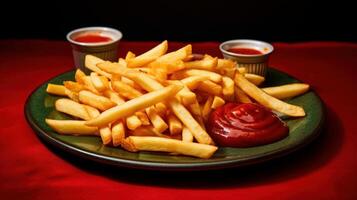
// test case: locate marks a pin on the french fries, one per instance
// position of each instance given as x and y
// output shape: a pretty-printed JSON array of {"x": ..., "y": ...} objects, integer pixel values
[
  {"x": 169, "y": 145},
  {"x": 130, "y": 107},
  {"x": 267, "y": 100},
  {"x": 287, "y": 91},
  {"x": 160, "y": 101}
]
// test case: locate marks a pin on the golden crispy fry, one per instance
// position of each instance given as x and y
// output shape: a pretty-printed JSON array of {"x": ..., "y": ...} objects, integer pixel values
[
  {"x": 72, "y": 95},
  {"x": 192, "y": 82},
  {"x": 144, "y": 80},
  {"x": 255, "y": 79},
  {"x": 91, "y": 63},
  {"x": 156, "y": 120},
  {"x": 171, "y": 145},
  {"x": 186, "y": 135},
  {"x": 186, "y": 96},
  {"x": 56, "y": 89},
  {"x": 73, "y": 86},
  {"x": 113, "y": 67},
  {"x": 72, "y": 108},
  {"x": 92, "y": 112},
  {"x": 175, "y": 126},
  {"x": 106, "y": 135},
  {"x": 98, "y": 82},
  {"x": 148, "y": 56},
  {"x": 287, "y": 91},
  {"x": 100, "y": 102},
  {"x": 186, "y": 118},
  {"x": 126, "y": 90},
  {"x": 71, "y": 127},
  {"x": 195, "y": 109},
  {"x": 130, "y": 107},
  {"x": 205, "y": 64},
  {"x": 228, "y": 88},
  {"x": 129, "y": 55},
  {"x": 161, "y": 109},
  {"x": 143, "y": 117},
  {"x": 207, "y": 108},
  {"x": 130, "y": 82},
  {"x": 210, "y": 88},
  {"x": 217, "y": 102},
  {"x": 143, "y": 131},
  {"x": 241, "y": 96},
  {"x": 159, "y": 71},
  {"x": 118, "y": 133},
  {"x": 267, "y": 100},
  {"x": 215, "y": 77},
  {"x": 114, "y": 97},
  {"x": 179, "y": 54},
  {"x": 133, "y": 122}
]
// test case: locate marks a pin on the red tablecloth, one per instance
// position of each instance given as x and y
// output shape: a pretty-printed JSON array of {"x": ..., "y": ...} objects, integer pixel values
[{"x": 326, "y": 169}]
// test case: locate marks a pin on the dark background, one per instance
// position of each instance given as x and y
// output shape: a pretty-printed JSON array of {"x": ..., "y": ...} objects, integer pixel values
[{"x": 185, "y": 20}]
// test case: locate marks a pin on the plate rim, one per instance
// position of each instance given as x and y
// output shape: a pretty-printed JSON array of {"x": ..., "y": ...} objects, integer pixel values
[{"x": 164, "y": 166}]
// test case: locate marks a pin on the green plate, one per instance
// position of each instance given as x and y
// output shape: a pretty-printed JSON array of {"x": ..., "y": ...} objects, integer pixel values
[{"x": 40, "y": 105}]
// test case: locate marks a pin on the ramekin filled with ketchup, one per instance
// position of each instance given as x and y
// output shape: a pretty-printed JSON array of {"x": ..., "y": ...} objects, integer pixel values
[
  {"x": 98, "y": 41},
  {"x": 251, "y": 54}
]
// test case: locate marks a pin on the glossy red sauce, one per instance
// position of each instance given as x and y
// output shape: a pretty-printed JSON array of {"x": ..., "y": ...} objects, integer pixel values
[
  {"x": 92, "y": 38},
  {"x": 245, "y": 125},
  {"x": 245, "y": 51}
]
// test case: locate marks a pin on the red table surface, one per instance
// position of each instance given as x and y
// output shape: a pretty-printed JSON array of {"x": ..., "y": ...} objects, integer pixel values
[{"x": 326, "y": 169}]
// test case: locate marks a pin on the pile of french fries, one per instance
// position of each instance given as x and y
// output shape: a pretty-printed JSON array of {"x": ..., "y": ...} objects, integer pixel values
[{"x": 160, "y": 101}]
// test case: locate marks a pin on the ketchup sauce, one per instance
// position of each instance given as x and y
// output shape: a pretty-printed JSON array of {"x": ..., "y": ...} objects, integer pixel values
[
  {"x": 245, "y": 125},
  {"x": 92, "y": 38},
  {"x": 245, "y": 51}
]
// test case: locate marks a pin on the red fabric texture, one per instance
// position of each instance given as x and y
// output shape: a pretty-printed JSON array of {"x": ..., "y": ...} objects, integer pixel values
[{"x": 326, "y": 169}]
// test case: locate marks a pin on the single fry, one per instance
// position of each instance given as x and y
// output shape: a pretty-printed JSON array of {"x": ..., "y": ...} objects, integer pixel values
[
  {"x": 217, "y": 102},
  {"x": 254, "y": 78},
  {"x": 207, "y": 108},
  {"x": 287, "y": 91},
  {"x": 71, "y": 127},
  {"x": 98, "y": 83},
  {"x": 106, "y": 135},
  {"x": 186, "y": 118},
  {"x": 186, "y": 135},
  {"x": 186, "y": 96},
  {"x": 133, "y": 122},
  {"x": 156, "y": 120},
  {"x": 73, "y": 86},
  {"x": 143, "y": 118},
  {"x": 179, "y": 54},
  {"x": 215, "y": 77},
  {"x": 72, "y": 108},
  {"x": 267, "y": 100},
  {"x": 113, "y": 67},
  {"x": 171, "y": 145},
  {"x": 175, "y": 126},
  {"x": 100, "y": 102},
  {"x": 118, "y": 133},
  {"x": 129, "y": 55},
  {"x": 56, "y": 89},
  {"x": 192, "y": 82},
  {"x": 228, "y": 88},
  {"x": 241, "y": 96},
  {"x": 72, "y": 95},
  {"x": 144, "y": 80},
  {"x": 91, "y": 63},
  {"x": 143, "y": 131},
  {"x": 114, "y": 97},
  {"x": 210, "y": 88},
  {"x": 205, "y": 64},
  {"x": 130, "y": 107},
  {"x": 161, "y": 109},
  {"x": 126, "y": 90},
  {"x": 92, "y": 112},
  {"x": 148, "y": 56}
]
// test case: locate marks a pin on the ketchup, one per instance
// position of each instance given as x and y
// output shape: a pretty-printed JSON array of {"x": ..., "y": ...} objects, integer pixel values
[
  {"x": 245, "y": 51},
  {"x": 245, "y": 125},
  {"x": 92, "y": 38}
]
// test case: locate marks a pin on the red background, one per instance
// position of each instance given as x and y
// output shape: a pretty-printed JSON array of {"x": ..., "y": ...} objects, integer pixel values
[{"x": 326, "y": 169}]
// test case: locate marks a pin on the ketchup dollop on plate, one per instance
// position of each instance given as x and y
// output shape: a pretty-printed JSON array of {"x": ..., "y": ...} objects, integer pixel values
[{"x": 245, "y": 125}]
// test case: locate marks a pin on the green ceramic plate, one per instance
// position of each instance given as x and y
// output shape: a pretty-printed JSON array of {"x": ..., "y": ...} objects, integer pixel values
[{"x": 40, "y": 105}]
